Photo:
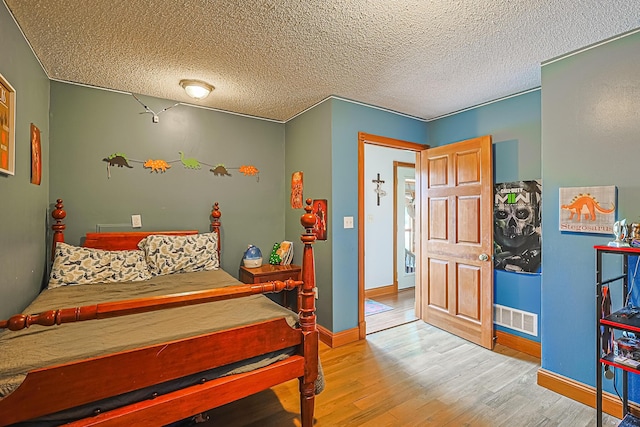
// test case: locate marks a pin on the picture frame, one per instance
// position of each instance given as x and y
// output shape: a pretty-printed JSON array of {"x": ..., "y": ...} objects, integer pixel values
[
  {"x": 319, "y": 207},
  {"x": 7, "y": 127},
  {"x": 588, "y": 209},
  {"x": 296, "y": 190},
  {"x": 36, "y": 155}
]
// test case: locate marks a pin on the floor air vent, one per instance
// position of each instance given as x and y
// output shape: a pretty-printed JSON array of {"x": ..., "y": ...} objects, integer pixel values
[{"x": 516, "y": 319}]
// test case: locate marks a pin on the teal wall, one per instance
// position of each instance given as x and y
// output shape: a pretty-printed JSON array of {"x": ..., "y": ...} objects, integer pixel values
[
  {"x": 515, "y": 128},
  {"x": 89, "y": 124},
  {"x": 23, "y": 212},
  {"x": 347, "y": 119},
  {"x": 323, "y": 142},
  {"x": 308, "y": 149},
  {"x": 590, "y": 128}
]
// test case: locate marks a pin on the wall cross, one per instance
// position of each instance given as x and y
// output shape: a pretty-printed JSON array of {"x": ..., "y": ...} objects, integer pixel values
[{"x": 379, "y": 191}]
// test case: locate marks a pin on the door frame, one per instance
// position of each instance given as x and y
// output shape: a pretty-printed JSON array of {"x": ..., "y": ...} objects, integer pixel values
[{"x": 366, "y": 138}]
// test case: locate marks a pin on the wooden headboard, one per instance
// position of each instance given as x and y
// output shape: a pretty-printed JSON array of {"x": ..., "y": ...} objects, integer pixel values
[{"x": 124, "y": 240}]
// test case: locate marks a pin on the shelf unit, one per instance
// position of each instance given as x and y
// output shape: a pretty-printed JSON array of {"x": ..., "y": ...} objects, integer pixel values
[{"x": 617, "y": 322}]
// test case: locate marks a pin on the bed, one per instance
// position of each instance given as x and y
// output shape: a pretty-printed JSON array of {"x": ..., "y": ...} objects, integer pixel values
[{"x": 136, "y": 352}]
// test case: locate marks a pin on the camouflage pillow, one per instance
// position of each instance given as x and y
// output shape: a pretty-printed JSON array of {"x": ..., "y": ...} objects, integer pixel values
[
  {"x": 180, "y": 254},
  {"x": 74, "y": 265}
]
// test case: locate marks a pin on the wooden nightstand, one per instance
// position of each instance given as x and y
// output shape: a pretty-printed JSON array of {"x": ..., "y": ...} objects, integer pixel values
[{"x": 268, "y": 273}]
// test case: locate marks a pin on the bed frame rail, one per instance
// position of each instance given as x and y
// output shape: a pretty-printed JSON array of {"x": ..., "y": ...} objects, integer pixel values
[
  {"x": 56, "y": 388},
  {"x": 142, "y": 305}
]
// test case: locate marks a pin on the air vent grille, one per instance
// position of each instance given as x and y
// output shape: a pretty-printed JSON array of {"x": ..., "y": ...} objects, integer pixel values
[{"x": 515, "y": 319}]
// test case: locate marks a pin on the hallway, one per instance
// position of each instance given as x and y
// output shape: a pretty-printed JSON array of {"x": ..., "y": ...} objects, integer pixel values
[{"x": 403, "y": 311}]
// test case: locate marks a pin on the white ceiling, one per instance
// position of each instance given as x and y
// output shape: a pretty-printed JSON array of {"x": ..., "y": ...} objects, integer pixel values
[{"x": 276, "y": 58}]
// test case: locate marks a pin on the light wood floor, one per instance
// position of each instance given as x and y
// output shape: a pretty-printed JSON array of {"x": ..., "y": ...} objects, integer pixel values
[
  {"x": 403, "y": 311},
  {"x": 416, "y": 375}
]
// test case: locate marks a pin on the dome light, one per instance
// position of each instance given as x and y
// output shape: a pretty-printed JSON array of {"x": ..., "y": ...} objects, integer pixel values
[{"x": 196, "y": 89}]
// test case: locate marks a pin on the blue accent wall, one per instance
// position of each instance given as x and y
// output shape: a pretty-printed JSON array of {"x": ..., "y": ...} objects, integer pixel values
[{"x": 515, "y": 127}]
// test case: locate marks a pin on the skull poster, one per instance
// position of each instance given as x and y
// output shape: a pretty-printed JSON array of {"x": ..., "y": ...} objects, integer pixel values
[{"x": 517, "y": 222}]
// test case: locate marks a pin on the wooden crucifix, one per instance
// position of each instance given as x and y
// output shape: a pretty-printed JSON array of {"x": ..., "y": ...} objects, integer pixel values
[{"x": 379, "y": 191}]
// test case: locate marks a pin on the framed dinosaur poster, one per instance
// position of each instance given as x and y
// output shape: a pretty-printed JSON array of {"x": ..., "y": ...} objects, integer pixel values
[{"x": 588, "y": 209}]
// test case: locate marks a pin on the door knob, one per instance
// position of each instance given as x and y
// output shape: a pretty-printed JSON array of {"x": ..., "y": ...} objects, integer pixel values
[{"x": 483, "y": 257}]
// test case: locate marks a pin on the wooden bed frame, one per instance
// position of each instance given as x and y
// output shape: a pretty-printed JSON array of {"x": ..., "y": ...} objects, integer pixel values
[{"x": 52, "y": 389}]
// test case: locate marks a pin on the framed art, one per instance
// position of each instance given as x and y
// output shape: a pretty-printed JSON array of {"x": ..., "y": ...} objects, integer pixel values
[
  {"x": 296, "y": 190},
  {"x": 36, "y": 155},
  {"x": 517, "y": 226},
  {"x": 7, "y": 127},
  {"x": 588, "y": 209},
  {"x": 320, "y": 211}
]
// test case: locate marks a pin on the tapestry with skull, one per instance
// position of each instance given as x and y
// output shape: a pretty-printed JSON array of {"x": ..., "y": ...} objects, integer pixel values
[{"x": 517, "y": 222}]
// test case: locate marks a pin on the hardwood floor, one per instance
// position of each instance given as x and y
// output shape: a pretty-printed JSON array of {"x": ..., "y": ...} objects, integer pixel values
[
  {"x": 416, "y": 375},
  {"x": 403, "y": 311}
]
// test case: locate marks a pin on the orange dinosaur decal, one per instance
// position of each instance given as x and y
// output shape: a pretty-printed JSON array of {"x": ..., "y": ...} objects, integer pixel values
[
  {"x": 586, "y": 201},
  {"x": 157, "y": 165},
  {"x": 248, "y": 170}
]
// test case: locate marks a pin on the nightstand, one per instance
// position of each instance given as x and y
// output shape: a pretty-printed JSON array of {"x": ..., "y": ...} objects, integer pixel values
[{"x": 269, "y": 273}]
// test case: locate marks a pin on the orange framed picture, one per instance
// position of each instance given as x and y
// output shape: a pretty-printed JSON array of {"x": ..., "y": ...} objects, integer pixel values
[
  {"x": 36, "y": 155},
  {"x": 296, "y": 190},
  {"x": 7, "y": 127},
  {"x": 320, "y": 211}
]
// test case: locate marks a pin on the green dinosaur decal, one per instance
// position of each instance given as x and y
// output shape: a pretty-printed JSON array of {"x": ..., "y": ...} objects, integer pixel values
[{"x": 189, "y": 163}]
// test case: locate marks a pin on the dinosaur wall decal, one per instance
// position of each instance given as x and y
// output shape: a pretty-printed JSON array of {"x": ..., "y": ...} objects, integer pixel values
[
  {"x": 189, "y": 163},
  {"x": 157, "y": 165},
  {"x": 118, "y": 160},
  {"x": 249, "y": 170},
  {"x": 220, "y": 170},
  {"x": 587, "y": 205}
]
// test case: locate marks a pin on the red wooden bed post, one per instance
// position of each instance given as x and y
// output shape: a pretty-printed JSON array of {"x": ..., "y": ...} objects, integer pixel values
[
  {"x": 58, "y": 228},
  {"x": 215, "y": 224},
  {"x": 308, "y": 319}
]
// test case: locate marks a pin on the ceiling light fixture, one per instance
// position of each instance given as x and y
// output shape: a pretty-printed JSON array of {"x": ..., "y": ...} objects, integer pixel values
[{"x": 196, "y": 89}]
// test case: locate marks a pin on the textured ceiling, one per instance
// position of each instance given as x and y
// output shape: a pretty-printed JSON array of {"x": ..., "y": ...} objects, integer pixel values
[{"x": 275, "y": 58}]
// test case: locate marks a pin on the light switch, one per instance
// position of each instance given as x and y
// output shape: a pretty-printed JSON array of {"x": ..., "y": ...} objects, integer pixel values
[
  {"x": 136, "y": 221},
  {"x": 348, "y": 222}
]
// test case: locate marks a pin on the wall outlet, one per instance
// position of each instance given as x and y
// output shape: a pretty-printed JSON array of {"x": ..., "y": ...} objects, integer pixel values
[
  {"x": 315, "y": 290},
  {"x": 348, "y": 222},
  {"x": 136, "y": 221}
]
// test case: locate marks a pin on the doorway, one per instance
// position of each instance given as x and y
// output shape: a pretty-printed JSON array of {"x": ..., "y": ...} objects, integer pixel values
[
  {"x": 390, "y": 306},
  {"x": 454, "y": 210},
  {"x": 378, "y": 186}
]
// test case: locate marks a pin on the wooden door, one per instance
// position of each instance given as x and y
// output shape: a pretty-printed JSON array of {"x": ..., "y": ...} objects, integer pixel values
[{"x": 456, "y": 270}]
